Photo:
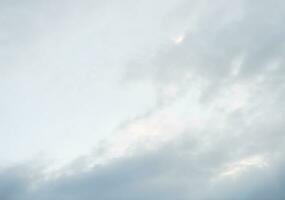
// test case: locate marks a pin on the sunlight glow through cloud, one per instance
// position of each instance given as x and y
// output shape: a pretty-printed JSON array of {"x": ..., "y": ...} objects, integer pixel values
[{"x": 179, "y": 39}]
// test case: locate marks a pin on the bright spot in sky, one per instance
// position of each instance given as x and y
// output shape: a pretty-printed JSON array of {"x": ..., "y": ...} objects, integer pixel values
[{"x": 179, "y": 39}]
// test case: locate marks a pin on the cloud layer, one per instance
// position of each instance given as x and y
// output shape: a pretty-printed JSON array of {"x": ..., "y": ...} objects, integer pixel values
[{"x": 216, "y": 128}]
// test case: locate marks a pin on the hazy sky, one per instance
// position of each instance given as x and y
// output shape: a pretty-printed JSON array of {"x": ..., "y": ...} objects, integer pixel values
[{"x": 142, "y": 100}]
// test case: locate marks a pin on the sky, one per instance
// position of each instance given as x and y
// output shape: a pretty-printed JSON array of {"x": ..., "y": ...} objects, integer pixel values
[{"x": 142, "y": 100}]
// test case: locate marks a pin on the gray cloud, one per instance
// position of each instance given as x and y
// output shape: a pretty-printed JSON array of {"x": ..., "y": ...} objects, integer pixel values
[
  {"x": 185, "y": 168},
  {"x": 182, "y": 169},
  {"x": 247, "y": 32},
  {"x": 230, "y": 43}
]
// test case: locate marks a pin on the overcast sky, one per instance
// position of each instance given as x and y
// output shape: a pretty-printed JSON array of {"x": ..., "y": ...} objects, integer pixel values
[{"x": 142, "y": 100}]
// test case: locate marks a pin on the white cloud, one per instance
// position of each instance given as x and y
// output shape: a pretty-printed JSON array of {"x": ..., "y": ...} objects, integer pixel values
[{"x": 241, "y": 166}]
